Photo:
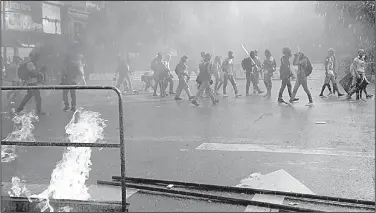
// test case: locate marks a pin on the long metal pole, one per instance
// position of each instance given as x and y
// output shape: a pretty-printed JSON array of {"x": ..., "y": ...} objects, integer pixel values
[
  {"x": 245, "y": 190},
  {"x": 4, "y": 29},
  {"x": 122, "y": 157},
  {"x": 60, "y": 144},
  {"x": 231, "y": 200}
]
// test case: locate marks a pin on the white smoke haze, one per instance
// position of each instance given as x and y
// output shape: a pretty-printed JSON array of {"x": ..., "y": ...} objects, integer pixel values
[{"x": 23, "y": 131}]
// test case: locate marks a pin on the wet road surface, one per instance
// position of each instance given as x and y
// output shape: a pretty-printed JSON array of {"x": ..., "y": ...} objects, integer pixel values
[{"x": 223, "y": 144}]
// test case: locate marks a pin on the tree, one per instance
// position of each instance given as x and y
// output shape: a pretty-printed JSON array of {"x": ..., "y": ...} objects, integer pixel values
[{"x": 345, "y": 19}]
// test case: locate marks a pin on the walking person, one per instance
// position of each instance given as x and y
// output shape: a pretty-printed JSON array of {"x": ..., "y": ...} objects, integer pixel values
[
  {"x": 228, "y": 69},
  {"x": 120, "y": 72},
  {"x": 218, "y": 74},
  {"x": 251, "y": 73},
  {"x": 260, "y": 74},
  {"x": 330, "y": 74},
  {"x": 160, "y": 74},
  {"x": 124, "y": 73},
  {"x": 168, "y": 80},
  {"x": 154, "y": 67},
  {"x": 12, "y": 75},
  {"x": 31, "y": 77},
  {"x": 360, "y": 81},
  {"x": 73, "y": 74},
  {"x": 183, "y": 77},
  {"x": 202, "y": 54},
  {"x": 205, "y": 77},
  {"x": 285, "y": 74},
  {"x": 302, "y": 62},
  {"x": 269, "y": 67}
]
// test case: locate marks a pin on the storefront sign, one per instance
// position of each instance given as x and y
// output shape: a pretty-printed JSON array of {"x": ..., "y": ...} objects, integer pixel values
[{"x": 23, "y": 15}]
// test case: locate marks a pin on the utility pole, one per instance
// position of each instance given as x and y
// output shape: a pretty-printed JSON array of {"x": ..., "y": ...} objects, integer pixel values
[{"x": 4, "y": 28}]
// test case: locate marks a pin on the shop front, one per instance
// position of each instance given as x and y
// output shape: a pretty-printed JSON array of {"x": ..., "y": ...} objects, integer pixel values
[{"x": 28, "y": 24}]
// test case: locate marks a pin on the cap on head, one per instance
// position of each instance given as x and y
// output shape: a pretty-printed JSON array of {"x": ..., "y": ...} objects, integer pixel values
[
  {"x": 267, "y": 52},
  {"x": 252, "y": 53},
  {"x": 208, "y": 55},
  {"x": 159, "y": 54},
  {"x": 331, "y": 50},
  {"x": 361, "y": 51}
]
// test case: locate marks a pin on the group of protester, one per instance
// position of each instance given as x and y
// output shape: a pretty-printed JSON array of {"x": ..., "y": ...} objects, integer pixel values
[
  {"x": 28, "y": 74},
  {"x": 222, "y": 72}
]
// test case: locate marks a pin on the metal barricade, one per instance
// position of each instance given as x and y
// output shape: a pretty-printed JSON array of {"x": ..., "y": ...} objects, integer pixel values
[{"x": 121, "y": 145}]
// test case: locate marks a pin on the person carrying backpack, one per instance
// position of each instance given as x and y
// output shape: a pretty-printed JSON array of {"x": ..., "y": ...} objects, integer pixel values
[
  {"x": 28, "y": 73},
  {"x": 285, "y": 73},
  {"x": 251, "y": 73},
  {"x": 269, "y": 67},
  {"x": 304, "y": 70}
]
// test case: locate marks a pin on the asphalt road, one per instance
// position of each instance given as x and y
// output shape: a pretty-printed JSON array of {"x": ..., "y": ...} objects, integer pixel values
[{"x": 223, "y": 144}]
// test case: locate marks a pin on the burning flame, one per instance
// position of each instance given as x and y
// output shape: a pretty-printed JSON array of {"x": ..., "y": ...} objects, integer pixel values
[
  {"x": 18, "y": 188},
  {"x": 69, "y": 176},
  {"x": 23, "y": 131}
]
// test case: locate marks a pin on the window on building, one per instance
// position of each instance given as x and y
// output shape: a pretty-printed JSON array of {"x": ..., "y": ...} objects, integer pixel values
[{"x": 51, "y": 19}]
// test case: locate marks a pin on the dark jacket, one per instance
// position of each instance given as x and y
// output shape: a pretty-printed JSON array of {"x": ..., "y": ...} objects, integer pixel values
[
  {"x": 285, "y": 70},
  {"x": 123, "y": 66},
  {"x": 248, "y": 65}
]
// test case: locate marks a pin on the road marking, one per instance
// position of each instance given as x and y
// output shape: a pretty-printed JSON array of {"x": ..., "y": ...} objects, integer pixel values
[
  {"x": 97, "y": 192},
  {"x": 277, "y": 181},
  {"x": 279, "y": 149}
]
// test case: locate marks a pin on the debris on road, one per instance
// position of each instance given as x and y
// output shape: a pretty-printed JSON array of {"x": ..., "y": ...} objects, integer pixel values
[
  {"x": 255, "y": 175},
  {"x": 320, "y": 122},
  {"x": 293, "y": 203}
]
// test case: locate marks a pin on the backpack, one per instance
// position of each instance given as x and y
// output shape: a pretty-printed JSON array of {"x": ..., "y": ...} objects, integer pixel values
[
  {"x": 176, "y": 69},
  {"x": 243, "y": 64},
  {"x": 24, "y": 73},
  {"x": 309, "y": 68}
]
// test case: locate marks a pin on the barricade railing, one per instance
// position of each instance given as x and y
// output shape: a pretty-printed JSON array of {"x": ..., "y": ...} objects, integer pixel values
[{"x": 121, "y": 145}]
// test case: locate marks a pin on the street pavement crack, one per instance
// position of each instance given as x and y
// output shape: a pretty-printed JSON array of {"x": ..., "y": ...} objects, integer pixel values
[{"x": 261, "y": 117}]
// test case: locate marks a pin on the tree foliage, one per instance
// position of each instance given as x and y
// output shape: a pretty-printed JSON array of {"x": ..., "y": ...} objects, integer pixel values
[{"x": 345, "y": 20}]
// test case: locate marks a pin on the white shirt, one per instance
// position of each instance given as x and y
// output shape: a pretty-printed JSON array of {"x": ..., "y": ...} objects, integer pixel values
[
  {"x": 359, "y": 65},
  {"x": 229, "y": 67}
]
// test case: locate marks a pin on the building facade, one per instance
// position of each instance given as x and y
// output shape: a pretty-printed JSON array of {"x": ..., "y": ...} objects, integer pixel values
[{"x": 26, "y": 24}]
